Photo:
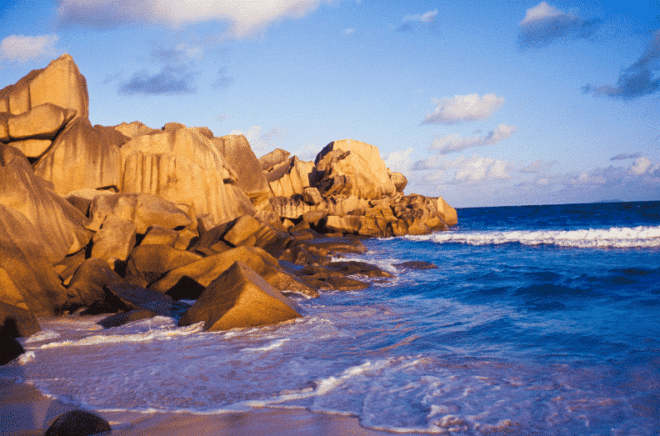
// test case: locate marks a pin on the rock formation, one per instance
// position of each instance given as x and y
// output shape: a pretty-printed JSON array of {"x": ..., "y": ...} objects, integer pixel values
[{"x": 125, "y": 219}]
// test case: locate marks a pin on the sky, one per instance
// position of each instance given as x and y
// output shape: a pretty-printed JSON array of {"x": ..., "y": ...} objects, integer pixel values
[{"x": 483, "y": 102}]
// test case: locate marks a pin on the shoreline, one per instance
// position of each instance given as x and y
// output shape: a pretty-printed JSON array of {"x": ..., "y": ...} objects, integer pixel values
[{"x": 25, "y": 411}]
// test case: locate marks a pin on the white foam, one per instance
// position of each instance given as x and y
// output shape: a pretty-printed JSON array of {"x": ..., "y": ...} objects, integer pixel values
[
  {"x": 272, "y": 346},
  {"x": 614, "y": 237},
  {"x": 44, "y": 335}
]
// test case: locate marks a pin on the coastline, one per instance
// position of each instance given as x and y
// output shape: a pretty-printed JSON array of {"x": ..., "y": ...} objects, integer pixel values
[{"x": 25, "y": 411}]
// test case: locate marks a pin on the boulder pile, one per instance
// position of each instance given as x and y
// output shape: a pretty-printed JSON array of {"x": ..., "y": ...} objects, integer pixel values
[{"x": 140, "y": 221}]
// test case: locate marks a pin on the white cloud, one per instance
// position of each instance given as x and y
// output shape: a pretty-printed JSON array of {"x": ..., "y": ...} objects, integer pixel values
[
  {"x": 245, "y": 17},
  {"x": 454, "y": 143},
  {"x": 427, "y": 19},
  {"x": 588, "y": 179},
  {"x": 349, "y": 31},
  {"x": 23, "y": 48},
  {"x": 543, "y": 24},
  {"x": 482, "y": 169},
  {"x": 399, "y": 161},
  {"x": 469, "y": 107},
  {"x": 639, "y": 166}
]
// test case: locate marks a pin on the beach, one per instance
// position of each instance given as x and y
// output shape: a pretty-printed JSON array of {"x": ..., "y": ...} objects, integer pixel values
[{"x": 25, "y": 411}]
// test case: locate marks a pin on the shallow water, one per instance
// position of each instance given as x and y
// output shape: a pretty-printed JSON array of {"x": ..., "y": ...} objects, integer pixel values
[{"x": 539, "y": 320}]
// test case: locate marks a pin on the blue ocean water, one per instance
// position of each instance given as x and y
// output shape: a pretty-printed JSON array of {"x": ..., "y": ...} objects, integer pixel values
[{"x": 538, "y": 320}]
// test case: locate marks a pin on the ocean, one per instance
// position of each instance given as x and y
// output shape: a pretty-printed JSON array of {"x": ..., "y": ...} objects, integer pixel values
[{"x": 538, "y": 320}]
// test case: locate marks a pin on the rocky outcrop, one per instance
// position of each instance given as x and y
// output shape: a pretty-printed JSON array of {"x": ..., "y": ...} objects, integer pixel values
[
  {"x": 184, "y": 167},
  {"x": 290, "y": 177},
  {"x": 152, "y": 215},
  {"x": 350, "y": 167},
  {"x": 57, "y": 224},
  {"x": 239, "y": 155},
  {"x": 81, "y": 158},
  {"x": 60, "y": 83},
  {"x": 239, "y": 298}
]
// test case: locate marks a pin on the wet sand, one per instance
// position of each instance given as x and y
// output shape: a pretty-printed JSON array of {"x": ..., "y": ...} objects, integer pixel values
[{"x": 26, "y": 411}]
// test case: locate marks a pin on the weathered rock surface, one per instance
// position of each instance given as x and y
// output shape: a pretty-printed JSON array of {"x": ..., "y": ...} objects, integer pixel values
[
  {"x": 350, "y": 167},
  {"x": 57, "y": 224},
  {"x": 290, "y": 177},
  {"x": 60, "y": 83},
  {"x": 184, "y": 167},
  {"x": 137, "y": 297},
  {"x": 115, "y": 240},
  {"x": 144, "y": 210},
  {"x": 238, "y": 153},
  {"x": 81, "y": 157},
  {"x": 88, "y": 282},
  {"x": 17, "y": 322},
  {"x": 78, "y": 423},
  {"x": 270, "y": 160},
  {"x": 32, "y": 148},
  {"x": 148, "y": 263},
  {"x": 134, "y": 129},
  {"x": 40, "y": 122},
  {"x": 27, "y": 278},
  {"x": 239, "y": 298}
]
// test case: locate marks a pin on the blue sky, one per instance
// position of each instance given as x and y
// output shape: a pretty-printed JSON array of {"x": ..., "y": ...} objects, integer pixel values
[{"x": 486, "y": 103}]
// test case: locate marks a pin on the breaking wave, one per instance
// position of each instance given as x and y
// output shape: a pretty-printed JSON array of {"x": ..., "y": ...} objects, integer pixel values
[{"x": 614, "y": 237}]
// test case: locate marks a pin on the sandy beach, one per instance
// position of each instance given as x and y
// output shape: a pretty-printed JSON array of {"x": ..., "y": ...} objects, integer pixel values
[{"x": 24, "y": 411}]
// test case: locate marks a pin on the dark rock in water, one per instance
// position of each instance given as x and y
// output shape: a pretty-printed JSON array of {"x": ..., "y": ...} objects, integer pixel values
[
  {"x": 86, "y": 287},
  {"x": 416, "y": 265},
  {"x": 78, "y": 423},
  {"x": 17, "y": 322},
  {"x": 240, "y": 298},
  {"x": 185, "y": 289},
  {"x": 137, "y": 297},
  {"x": 329, "y": 279},
  {"x": 360, "y": 268},
  {"x": 120, "y": 319},
  {"x": 10, "y": 348}
]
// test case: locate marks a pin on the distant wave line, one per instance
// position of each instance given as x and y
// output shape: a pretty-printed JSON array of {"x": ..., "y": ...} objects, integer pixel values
[{"x": 614, "y": 237}]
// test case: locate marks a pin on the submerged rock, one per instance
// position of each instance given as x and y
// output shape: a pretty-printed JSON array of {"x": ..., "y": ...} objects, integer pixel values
[{"x": 78, "y": 423}]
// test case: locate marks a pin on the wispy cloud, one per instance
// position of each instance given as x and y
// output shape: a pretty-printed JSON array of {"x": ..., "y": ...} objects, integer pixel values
[
  {"x": 624, "y": 156},
  {"x": 21, "y": 48},
  {"x": 244, "y": 17},
  {"x": 544, "y": 24},
  {"x": 639, "y": 79},
  {"x": 262, "y": 143},
  {"x": 399, "y": 161},
  {"x": 170, "y": 80},
  {"x": 469, "y": 107},
  {"x": 454, "y": 143},
  {"x": 412, "y": 22},
  {"x": 223, "y": 80},
  {"x": 538, "y": 166}
]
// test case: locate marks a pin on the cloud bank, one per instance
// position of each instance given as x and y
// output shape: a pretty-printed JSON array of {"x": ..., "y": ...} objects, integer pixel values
[
  {"x": 639, "y": 79},
  {"x": 469, "y": 107},
  {"x": 21, "y": 48},
  {"x": 544, "y": 24},
  {"x": 454, "y": 143},
  {"x": 169, "y": 81},
  {"x": 244, "y": 17}
]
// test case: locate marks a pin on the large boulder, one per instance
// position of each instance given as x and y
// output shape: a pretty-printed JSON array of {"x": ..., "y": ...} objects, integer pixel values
[
  {"x": 270, "y": 160},
  {"x": 448, "y": 213},
  {"x": 238, "y": 153},
  {"x": 78, "y": 423},
  {"x": 59, "y": 83},
  {"x": 206, "y": 270},
  {"x": 81, "y": 157},
  {"x": 114, "y": 240},
  {"x": 350, "y": 167},
  {"x": 17, "y": 322},
  {"x": 148, "y": 263},
  {"x": 86, "y": 286},
  {"x": 40, "y": 122},
  {"x": 27, "y": 278},
  {"x": 144, "y": 210},
  {"x": 239, "y": 298},
  {"x": 185, "y": 167},
  {"x": 290, "y": 177},
  {"x": 57, "y": 224}
]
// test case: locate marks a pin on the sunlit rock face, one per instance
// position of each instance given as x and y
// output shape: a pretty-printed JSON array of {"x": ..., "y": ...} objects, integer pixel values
[
  {"x": 239, "y": 155},
  {"x": 239, "y": 298},
  {"x": 185, "y": 167},
  {"x": 60, "y": 83},
  {"x": 350, "y": 167}
]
